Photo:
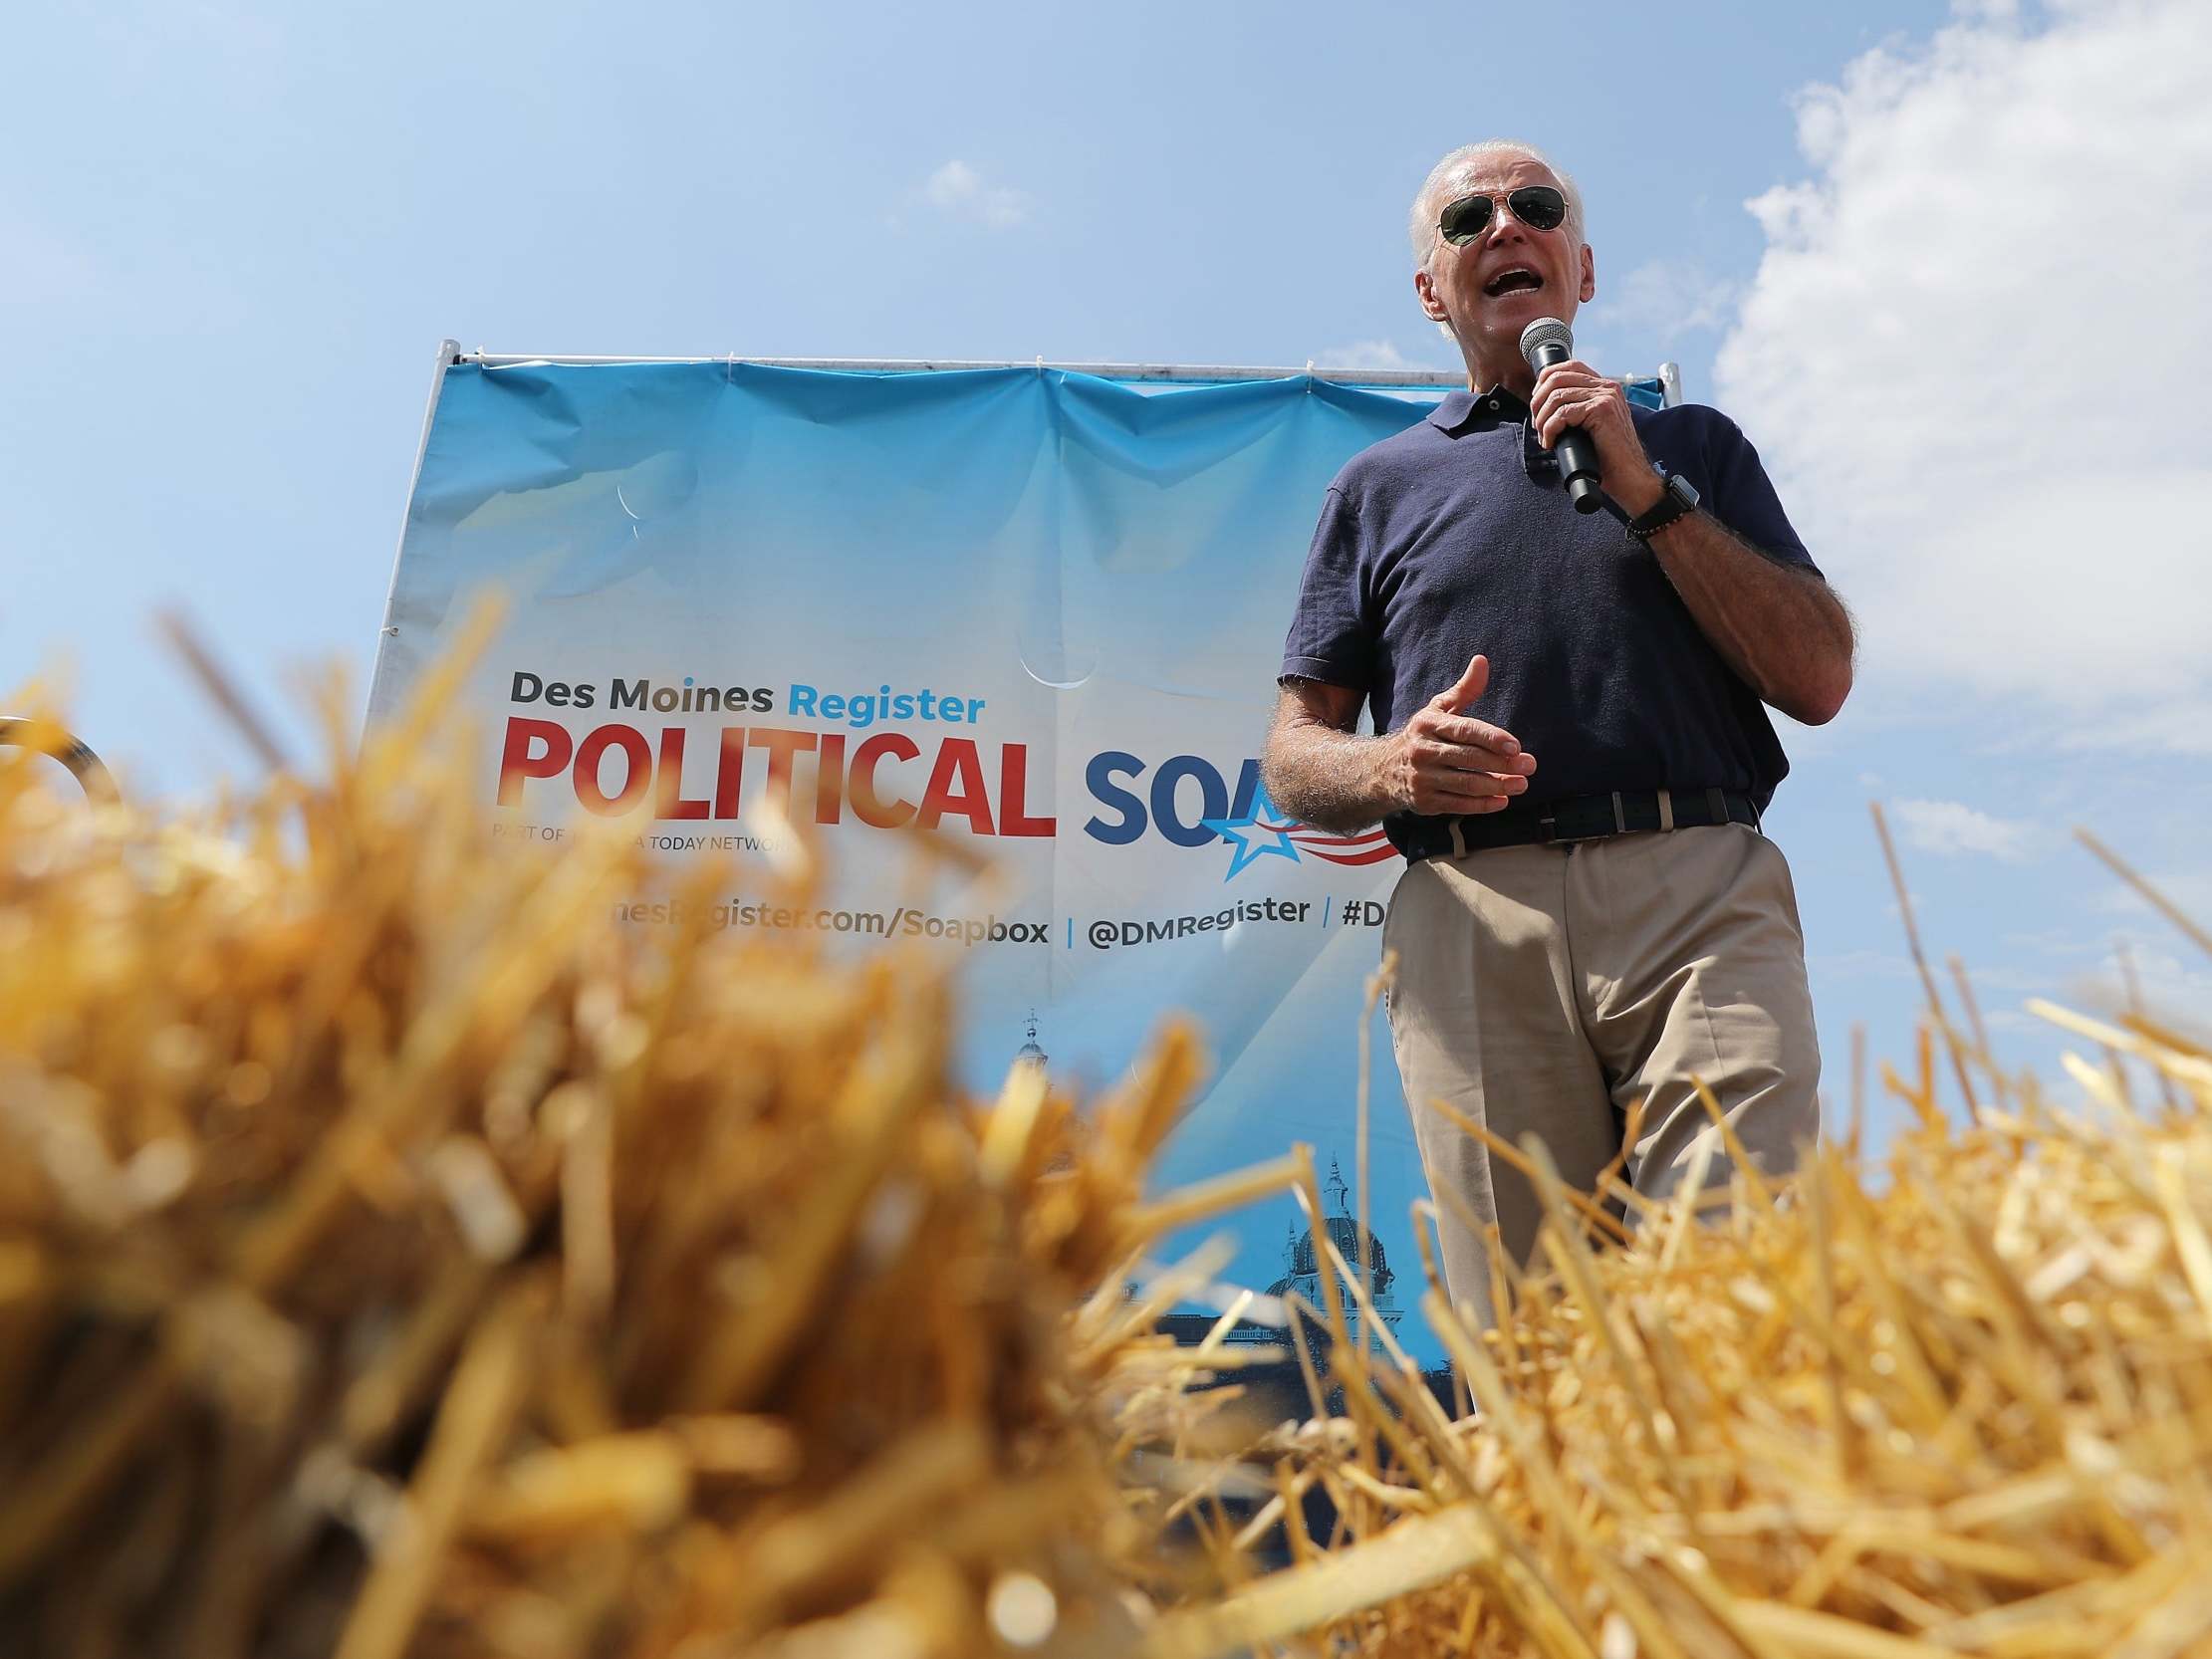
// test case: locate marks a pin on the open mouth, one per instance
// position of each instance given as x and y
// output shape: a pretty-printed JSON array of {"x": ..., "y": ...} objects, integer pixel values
[{"x": 1513, "y": 279}]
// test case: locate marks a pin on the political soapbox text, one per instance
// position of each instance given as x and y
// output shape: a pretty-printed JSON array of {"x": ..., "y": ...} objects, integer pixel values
[{"x": 868, "y": 766}]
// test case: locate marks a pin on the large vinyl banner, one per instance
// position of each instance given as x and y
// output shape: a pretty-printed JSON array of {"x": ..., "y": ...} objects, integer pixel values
[{"x": 1038, "y": 611}]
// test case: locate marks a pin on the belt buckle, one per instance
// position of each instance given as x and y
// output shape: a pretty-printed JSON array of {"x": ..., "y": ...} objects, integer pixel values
[{"x": 1548, "y": 824}]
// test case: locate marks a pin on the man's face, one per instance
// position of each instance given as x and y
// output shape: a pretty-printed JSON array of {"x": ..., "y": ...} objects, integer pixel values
[{"x": 1489, "y": 289}]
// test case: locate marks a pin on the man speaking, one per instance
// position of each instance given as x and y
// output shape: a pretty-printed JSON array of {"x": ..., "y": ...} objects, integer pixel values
[{"x": 1569, "y": 744}]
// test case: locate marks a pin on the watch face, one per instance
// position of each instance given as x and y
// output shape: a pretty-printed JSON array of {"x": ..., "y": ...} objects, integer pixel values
[{"x": 1678, "y": 501}]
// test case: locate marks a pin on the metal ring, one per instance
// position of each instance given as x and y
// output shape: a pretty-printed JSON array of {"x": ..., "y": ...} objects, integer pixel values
[{"x": 91, "y": 773}]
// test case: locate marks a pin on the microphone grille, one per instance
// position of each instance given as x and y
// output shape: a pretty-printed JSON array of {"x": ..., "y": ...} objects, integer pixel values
[{"x": 1546, "y": 331}]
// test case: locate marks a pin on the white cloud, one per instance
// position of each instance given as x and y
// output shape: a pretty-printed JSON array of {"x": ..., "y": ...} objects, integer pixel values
[
  {"x": 1666, "y": 299},
  {"x": 1993, "y": 978},
  {"x": 1867, "y": 964},
  {"x": 1636, "y": 320},
  {"x": 958, "y": 189},
  {"x": 1953, "y": 826},
  {"x": 1972, "y": 357},
  {"x": 1361, "y": 353},
  {"x": 2047, "y": 941},
  {"x": 2173, "y": 989},
  {"x": 1378, "y": 353},
  {"x": 2189, "y": 891}
]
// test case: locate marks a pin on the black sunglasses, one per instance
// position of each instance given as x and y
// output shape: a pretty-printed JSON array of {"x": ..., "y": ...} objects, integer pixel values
[{"x": 1538, "y": 206}]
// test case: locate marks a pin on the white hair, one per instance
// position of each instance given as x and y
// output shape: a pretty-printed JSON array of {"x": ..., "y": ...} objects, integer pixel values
[{"x": 1453, "y": 169}]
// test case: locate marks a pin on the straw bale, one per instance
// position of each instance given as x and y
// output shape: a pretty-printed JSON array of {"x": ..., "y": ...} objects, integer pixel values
[
  {"x": 398, "y": 1254},
  {"x": 1959, "y": 1403}
]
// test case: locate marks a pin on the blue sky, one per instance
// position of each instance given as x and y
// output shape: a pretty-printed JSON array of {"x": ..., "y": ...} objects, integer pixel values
[{"x": 233, "y": 234}]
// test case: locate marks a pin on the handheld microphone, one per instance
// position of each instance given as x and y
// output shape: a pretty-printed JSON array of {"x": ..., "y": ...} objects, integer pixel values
[{"x": 1542, "y": 343}]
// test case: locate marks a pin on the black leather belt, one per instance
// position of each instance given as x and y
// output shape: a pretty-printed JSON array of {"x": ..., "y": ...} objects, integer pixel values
[{"x": 1579, "y": 818}]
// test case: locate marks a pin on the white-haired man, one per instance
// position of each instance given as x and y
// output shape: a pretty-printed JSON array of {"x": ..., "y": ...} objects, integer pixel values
[{"x": 1569, "y": 740}]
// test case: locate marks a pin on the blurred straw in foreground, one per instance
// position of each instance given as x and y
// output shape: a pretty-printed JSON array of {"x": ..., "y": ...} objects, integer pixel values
[{"x": 400, "y": 1256}]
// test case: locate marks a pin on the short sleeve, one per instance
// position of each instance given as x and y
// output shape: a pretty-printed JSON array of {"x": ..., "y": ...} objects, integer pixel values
[
  {"x": 1329, "y": 639},
  {"x": 1743, "y": 497}
]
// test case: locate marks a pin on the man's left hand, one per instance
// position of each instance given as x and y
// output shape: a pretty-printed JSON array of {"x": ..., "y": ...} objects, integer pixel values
[{"x": 1573, "y": 393}]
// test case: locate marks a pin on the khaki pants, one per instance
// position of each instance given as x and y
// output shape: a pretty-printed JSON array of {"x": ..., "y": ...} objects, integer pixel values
[{"x": 1546, "y": 988}]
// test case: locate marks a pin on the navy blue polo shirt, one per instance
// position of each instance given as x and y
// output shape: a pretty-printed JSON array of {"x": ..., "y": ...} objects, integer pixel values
[{"x": 1455, "y": 537}]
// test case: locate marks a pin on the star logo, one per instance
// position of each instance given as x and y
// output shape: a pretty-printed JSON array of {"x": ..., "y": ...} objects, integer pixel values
[{"x": 1255, "y": 833}]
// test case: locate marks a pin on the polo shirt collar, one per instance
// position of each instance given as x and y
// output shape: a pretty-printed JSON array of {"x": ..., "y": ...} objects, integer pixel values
[{"x": 1460, "y": 409}]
